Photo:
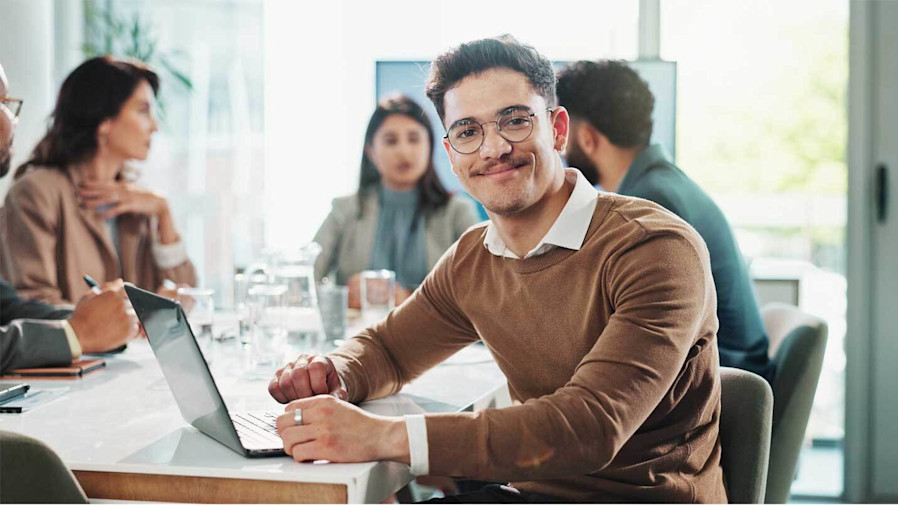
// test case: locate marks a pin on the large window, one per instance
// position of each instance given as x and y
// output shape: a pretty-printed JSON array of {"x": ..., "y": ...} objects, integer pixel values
[
  {"x": 761, "y": 125},
  {"x": 320, "y": 79},
  {"x": 208, "y": 156}
]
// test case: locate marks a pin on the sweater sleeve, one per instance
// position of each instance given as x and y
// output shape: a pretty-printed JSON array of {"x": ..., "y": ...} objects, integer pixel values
[
  {"x": 416, "y": 336},
  {"x": 661, "y": 291}
]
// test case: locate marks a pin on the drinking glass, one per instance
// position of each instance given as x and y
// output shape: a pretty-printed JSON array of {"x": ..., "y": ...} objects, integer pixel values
[
  {"x": 268, "y": 308},
  {"x": 254, "y": 274},
  {"x": 332, "y": 302},
  {"x": 199, "y": 305},
  {"x": 378, "y": 288}
]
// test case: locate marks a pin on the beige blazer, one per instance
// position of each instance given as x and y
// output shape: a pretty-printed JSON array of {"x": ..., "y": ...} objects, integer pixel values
[
  {"x": 49, "y": 242},
  {"x": 347, "y": 240}
]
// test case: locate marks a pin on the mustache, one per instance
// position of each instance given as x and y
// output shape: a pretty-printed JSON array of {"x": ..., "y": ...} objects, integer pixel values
[{"x": 515, "y": 162}]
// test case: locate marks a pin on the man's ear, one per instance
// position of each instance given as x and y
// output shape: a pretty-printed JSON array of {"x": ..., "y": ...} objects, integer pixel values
[
  {"x": 448, "y": 149},
  {"x": 588, "y": 138},
  {"x": 561, "y": 123}
]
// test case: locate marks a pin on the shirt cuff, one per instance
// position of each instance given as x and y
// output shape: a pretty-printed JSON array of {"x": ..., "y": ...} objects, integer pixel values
[
  {"x": 70, "y": 335},
  {"x": 416, "y": 426},
  {"x": 169, "y": 255}
]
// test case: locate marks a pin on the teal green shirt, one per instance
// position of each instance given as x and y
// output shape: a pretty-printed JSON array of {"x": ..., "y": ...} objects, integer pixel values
[
  {"x": 399, "y": 243},
  {"x": 741, "y": 338}
]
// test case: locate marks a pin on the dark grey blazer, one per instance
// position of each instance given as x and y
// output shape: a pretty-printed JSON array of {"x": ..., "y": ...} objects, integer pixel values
[
  {"x": 31, "y": 333},
  {"x": 347, "y": 240}
]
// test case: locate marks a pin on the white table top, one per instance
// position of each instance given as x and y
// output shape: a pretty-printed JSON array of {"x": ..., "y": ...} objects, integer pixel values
[{"x": 125, "y": 419}]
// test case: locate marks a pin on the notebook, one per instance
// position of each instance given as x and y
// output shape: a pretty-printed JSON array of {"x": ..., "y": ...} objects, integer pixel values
[{"x": 75, "y": 370}]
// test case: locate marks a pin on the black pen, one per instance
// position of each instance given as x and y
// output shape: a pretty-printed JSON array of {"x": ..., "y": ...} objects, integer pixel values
[
  {"x": 10, "y": 410},
  {"x": 92, "y": 284}
]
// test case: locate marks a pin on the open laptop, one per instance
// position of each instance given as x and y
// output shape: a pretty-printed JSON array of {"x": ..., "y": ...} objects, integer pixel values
[{"x": 251, "y": 434}]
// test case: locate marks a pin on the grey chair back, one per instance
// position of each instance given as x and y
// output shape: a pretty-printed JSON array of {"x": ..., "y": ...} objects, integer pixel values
[
  {"x": 33, "y": 473},
  {"x": 797, "y": 346},
  {"x": 746, "y": 412}
]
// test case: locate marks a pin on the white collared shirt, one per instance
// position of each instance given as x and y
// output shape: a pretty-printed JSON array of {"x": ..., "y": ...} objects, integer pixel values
[
  {"x": 568, "y": 231},
  {"x": 569, "y": 228}
]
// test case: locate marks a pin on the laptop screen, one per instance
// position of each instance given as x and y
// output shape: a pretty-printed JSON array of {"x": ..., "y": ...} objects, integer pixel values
[{"x": 183, "y": 365}]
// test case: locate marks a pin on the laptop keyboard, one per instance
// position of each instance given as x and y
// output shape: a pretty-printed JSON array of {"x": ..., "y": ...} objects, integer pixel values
[{"x": 257, "y": 429}]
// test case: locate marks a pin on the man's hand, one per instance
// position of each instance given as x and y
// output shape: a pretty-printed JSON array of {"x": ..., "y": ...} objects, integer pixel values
[
  {"x": 104, "y": 321},
  {"x": 308, "y": 375},
  {"x": 340, "y": 432}
]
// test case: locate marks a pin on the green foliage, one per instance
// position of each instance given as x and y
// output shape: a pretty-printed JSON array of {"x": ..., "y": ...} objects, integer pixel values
[
  {"x": 108, "y": 32},
  {"x": 780, "y": 124}
]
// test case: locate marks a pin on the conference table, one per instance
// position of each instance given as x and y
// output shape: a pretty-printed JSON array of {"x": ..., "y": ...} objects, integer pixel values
[{"x": 121, "y": 433}]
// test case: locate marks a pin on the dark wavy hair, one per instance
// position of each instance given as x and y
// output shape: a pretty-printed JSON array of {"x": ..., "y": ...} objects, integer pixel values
[
  {"x": 612, "y": 97},
  {"x": 91, "y": 94},
  {"x": 481, "y": 55},
  {"x": 431, "y": 193}
]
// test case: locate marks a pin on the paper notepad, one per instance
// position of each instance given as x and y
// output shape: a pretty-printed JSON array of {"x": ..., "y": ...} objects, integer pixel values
[{"x": 75, "y": 370}]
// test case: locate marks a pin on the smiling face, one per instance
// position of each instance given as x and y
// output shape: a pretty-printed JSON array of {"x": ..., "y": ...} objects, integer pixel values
[
  {"x": 400, "y": 150},
  {"x": 506, "y": 177},
  {"x": 128, "y": 134}
]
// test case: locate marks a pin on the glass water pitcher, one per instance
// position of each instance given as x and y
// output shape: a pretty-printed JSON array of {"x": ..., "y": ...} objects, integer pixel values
[{"x": 296, "y": 269}]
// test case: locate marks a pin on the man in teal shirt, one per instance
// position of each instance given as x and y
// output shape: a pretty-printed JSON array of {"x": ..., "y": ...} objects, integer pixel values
[{"x": 611, "y": 124}]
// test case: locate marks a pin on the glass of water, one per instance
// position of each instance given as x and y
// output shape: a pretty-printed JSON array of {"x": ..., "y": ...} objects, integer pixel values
[
  {"x": 268, "y": 328},
  {"x": 199, "y": 305},
  {"x": 378, "y": 289},
  {"x": 333, "y": 301}
]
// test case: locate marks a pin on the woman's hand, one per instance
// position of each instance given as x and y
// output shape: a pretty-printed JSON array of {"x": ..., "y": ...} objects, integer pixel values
[
  {"x": 121, "y": 197},
  {"x": 126, "y": 197},
  {"x": 355, "y": 291}
]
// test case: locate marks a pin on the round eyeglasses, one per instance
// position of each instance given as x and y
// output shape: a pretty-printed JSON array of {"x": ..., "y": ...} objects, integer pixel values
[
  {"x": 514, "y": 125},
  {"x": 13, "y": 105}
]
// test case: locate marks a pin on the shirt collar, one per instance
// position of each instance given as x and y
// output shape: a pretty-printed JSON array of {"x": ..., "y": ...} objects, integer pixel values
[
  {"x": 568, "y": 230},
  {"x": 651, "y": 155}
]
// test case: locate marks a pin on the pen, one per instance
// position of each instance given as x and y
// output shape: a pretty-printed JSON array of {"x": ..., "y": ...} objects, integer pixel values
[
  {"x": 92, "y": 284},
  {"x": 96, "y": 289},
  {"x": 10, "y": 410}
]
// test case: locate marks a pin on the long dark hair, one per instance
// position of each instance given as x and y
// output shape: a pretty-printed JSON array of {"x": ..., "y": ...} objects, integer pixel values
[
  {"x": 432, "y": 195},
  {"x": 91, "y": 94}
]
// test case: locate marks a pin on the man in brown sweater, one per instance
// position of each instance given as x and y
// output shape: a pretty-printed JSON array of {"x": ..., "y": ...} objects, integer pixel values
[{"x": 599, "y": 309}]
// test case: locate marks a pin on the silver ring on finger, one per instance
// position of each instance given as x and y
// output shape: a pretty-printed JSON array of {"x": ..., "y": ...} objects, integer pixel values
[{"x": 297, "y": 417}]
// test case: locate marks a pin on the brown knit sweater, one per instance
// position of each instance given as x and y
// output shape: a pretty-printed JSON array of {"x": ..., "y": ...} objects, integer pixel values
[{"x": 610, "y": 350}]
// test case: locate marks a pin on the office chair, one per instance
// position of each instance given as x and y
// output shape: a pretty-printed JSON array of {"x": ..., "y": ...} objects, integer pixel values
[
  {"x": 746, "y": 412},
  {"x": 797, "y": 345},
  {"x": 33, "y": 473}
]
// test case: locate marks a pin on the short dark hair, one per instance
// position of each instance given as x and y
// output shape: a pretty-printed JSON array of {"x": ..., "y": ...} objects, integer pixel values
[
  {"x": 612, "y": 97},
  {"x": 478, "y": 56}
]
